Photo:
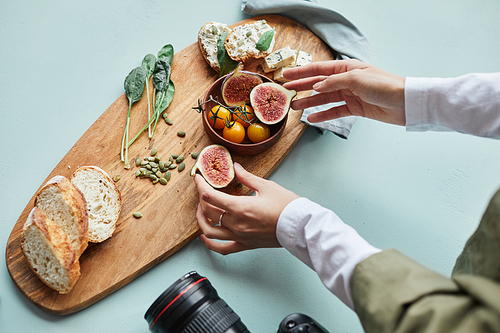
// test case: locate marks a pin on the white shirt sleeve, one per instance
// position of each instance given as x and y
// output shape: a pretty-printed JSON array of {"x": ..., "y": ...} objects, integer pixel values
[
  {"x": 466, "y": 104},
  {"x": 319, "y": 238}
]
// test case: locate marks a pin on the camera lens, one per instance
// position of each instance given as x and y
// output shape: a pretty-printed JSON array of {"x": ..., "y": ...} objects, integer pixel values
[{"x": 192, "y": 305}]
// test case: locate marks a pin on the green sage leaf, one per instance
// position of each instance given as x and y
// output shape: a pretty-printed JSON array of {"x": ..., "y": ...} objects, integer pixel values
[
  {"x": 161, "y": 75},
  {"x": 167, "y": 54},
  {"x": 226, "y": 64},
  {"x": 265, "y": 40},
  {"x": 149, "y": 63},
  {"x": 134, "y": 84}
]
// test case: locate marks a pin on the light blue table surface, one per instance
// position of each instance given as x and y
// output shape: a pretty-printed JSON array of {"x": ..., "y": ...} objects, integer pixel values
[{"x": 62, "y": 63}]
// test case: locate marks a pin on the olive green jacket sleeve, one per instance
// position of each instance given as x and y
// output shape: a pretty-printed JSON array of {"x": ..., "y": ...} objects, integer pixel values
[{"x": 393, "y": 293}]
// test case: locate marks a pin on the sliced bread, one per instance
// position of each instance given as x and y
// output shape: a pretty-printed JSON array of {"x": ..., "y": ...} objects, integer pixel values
[
  {"x": 49, "y": 252},
  {"x": 65, "y": 205},
  {"x": 103, "y": 201},
  {"x": 207, "y": 41},
  {"x": 242, "y": 41}
]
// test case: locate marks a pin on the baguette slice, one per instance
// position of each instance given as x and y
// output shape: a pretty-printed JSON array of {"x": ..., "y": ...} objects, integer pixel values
[
  {"x": 65, "y": 205},
  {"x": 242, "y": 41},
  {"x": 49, "y": 252},
  {"x": 207, "y": 41},
  {"x": 103, "y": 199}
]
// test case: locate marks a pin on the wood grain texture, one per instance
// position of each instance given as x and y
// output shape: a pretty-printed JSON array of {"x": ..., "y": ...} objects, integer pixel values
[{"x": 168, "y": 221}]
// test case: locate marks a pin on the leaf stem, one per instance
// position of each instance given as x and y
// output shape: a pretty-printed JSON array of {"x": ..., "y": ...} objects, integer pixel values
[
  {"x": 125, "y": 135},
  {"x": 149, "y": 104}
]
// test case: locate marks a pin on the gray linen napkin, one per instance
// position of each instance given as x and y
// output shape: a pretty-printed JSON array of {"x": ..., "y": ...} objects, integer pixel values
[{"x": 345, "y": 40}]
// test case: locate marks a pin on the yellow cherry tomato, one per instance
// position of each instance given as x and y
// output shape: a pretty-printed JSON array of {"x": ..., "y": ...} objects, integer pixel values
[
  {"x": 218, "y": 116},
  {"x": 244, "y": 116},
  {"x": 235, "y": 133},
  {"x": 258, "y": 132}
]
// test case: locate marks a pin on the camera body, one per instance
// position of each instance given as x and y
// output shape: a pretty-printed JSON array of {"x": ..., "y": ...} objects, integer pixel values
[{"x": 300, "y": 323}]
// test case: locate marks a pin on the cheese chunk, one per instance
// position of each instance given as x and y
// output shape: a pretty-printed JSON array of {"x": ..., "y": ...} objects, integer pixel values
[
  {"x": 303, "y": 58},
  {"x": 278, "y": 74},
  {"x": 281, "y": 58}
]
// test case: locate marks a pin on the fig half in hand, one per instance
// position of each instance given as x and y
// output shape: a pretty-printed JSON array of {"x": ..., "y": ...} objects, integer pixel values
[{"x": 215, "y": 165}]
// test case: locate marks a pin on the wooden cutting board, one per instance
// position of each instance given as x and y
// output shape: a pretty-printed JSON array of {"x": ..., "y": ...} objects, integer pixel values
[{"x": 168, "y": 221}]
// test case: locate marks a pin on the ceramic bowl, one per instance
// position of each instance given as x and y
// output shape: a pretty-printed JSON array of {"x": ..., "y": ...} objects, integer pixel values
[{"x": 247, "y": 147}]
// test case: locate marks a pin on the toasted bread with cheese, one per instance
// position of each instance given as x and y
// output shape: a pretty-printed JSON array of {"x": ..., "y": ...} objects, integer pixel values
[
  {"x": 241, "y": 42},
  {"x": 103, "y": 199},
  {"x": 49, "y": 252},
  {"x": 65, "y": 205},
  {"x": 207, "y": 41}
]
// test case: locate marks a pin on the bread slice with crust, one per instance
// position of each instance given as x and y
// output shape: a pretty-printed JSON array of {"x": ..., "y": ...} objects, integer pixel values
[
  {"x": 242, "y": 41},
  {"x": 207, "y": 41},
  {"x": 49, "y": 252},
  {"x": 103, "y": 199},
  {"x": 65, "y": 205}
]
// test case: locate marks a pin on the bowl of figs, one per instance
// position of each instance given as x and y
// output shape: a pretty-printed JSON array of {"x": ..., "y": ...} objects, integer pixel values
[{"x": 245, "y": 112}]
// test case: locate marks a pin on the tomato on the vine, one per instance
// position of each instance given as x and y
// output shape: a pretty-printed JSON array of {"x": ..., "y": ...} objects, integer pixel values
[
  {"x": 244, "y": 115},
  {"x": 235, "y": 133},
  {"x": 218, "y": 117},
  {"x": 258, "y": 132}
]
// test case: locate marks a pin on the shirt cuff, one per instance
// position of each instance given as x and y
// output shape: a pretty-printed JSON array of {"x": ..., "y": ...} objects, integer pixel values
[{"x": 319, "y": 238}]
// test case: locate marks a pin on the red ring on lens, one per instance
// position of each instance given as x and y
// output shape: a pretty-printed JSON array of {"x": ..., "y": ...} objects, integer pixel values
[{"x": 175, "y": 299}]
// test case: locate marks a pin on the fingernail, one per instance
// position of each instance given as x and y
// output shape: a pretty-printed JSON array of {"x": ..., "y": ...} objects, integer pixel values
[
  {"x": 238, "y": 166},
  {"x": 317, "y": 85}
]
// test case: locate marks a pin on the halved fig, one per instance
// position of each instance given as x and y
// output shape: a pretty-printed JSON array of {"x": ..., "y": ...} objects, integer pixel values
[
  {"x": 215, "y": 165},
  {"x": 237, "y": 86},
  {"x": 271, "y": 102}
]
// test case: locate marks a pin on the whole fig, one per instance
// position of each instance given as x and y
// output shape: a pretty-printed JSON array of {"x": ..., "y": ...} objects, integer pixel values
[
  {"x": 215, "y": 165},
  {"x": 271, "y": 102},
  {"x": 237, "y": 86}
]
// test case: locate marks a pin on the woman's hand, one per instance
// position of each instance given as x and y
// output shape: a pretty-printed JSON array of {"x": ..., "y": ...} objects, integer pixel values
[
  {"x": 248, "y": 222},
  {"x": 367, "y": 90}
]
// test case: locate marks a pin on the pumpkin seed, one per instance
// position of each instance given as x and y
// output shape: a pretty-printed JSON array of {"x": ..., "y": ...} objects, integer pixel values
[
  {"x": 138, "y": 161},
  {"x": 143, "y": 163},
  {"x": 117, "y": 177},
  {"x": 149, "y": 167},
  {"x": 195, "y": 155},
  {"x": 153, "y": 151},
  {"x": 157, "y": 158},
  {"x": 138, "y": 173},
  {"x": 181, "y": 166},
  {"x": 174, "y": 156},
  {"x": 155, "y": 181},
  {"x": 161, "y": 165},
  {"x": 172, "y": 166},
  {"x": 249, "y": 33},
  {"x": 171, "y": 159},
  {"x": 153, "y": 164},
  {"x": 164, "y": 115},
  {"x": 168, "y": 174},
  {"x": 169, "y": 121},
  {"x": 137, "y": 215},
  {"x": 127, "y": 166},
  {"x": 181, "y": 134},
  {"x": 151, "y": 159},
  {"x": 179, "y": 159},
  {"x": 163, "y": 181},
  {"x": 154, "y": 169},
  {"x": 158, "y": 174}
]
